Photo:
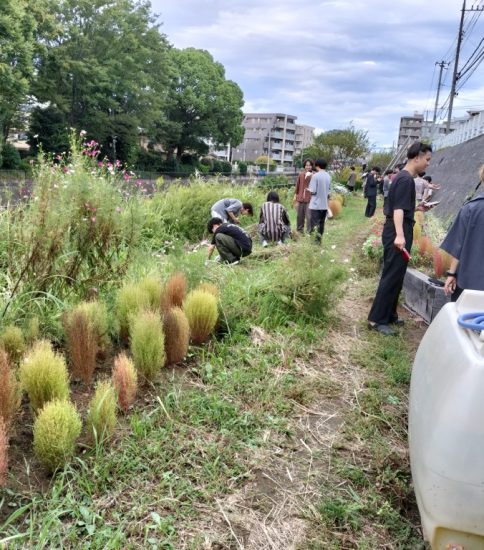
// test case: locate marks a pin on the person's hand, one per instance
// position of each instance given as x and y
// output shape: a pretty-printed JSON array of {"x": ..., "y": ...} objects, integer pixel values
[
  {"x": 236, "y": 221},
  {"x": 449, "y": 286},
  {"x": 399, "y": 242}
]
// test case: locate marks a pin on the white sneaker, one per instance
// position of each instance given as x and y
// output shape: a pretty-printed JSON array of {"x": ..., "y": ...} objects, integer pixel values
[
  {"x": 264, "y": 243},
  {"x": 279, "y": 242},
  {"x": 218, "y": 259}
]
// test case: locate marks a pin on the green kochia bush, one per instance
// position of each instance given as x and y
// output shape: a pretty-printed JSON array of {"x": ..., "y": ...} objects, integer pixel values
[
  {"x": 56, "y": 430},
  {"x": 148, "y": 344},
  {"x": 43, "y": 374},
  {"x": 131, "y": 300},
  {"x": 101, "y": 419},
  {"x": 202, "y": 313},
  {"x": 13, "y": 342}
]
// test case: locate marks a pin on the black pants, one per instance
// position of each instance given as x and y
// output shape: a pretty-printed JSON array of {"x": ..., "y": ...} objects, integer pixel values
[
  {"x": 317, "y": 219},
  {"x": 302, "y": 216},
  {"x": 228, "y": 248},
  {"x": 384, "y": 308},
  {"x": 370, "y": 207}
]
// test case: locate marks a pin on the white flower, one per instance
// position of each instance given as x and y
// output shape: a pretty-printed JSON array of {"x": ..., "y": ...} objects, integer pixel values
[{"x": 333, "y": 246}]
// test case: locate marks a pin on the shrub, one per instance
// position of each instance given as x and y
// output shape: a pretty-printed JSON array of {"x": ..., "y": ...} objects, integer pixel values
[
  {"x": 442, "y": 262},
  {"x": 11, "y": 157},
  {"x": 3, "y": 452},
  {"x": 177, "y": 335},
  {"x": 153, "y": 287},
  {"x": 210, "y": 288},
  {"x": 101, "y": 418},
  {"x": 201, "y": 310},
  {"x": 32, "y": 332},
  {"x": 175, "y": 291},
  {"x": 148, "y": 344},
  {"x": 131, "y": 300},
  {"x": 56, "y": 430},
  {"x": 43, "y": 375},
  {"x": 9, "y": 391},
  {"x": 97, "y": 315},
  {"x": 426, "y": 248},
  {"x": 81, "y": 344},
  {"x": 13, "y": 342},
  {"x": 125, "y": 380},
  {"x": 335, "y": 207}
]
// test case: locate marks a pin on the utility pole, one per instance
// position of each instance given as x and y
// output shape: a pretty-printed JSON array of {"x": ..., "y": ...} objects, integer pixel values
[
  {"x": 442, "y": 66},
  {"x": 456, "y": 75}
]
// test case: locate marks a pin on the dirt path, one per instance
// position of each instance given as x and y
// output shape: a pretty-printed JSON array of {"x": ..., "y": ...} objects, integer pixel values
[{"x": 275, "y": 510}]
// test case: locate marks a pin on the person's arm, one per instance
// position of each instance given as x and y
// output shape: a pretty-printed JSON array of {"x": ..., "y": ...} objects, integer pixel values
[
  {"x": 211, "y": 248},
  {"x": 285, "y": 218},
  {"x": 399, "y": 241},
  {"x": 232, "y": 216},
  {"x": 451, "y": 281}
]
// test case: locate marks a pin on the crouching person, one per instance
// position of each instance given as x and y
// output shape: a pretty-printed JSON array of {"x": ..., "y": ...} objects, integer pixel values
[
  {"x": 274, "y": 224},
  {"x": 231, "y": 241}
]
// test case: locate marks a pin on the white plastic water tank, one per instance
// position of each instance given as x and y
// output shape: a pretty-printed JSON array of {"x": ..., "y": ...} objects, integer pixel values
[{"x": 446, "y": 429}]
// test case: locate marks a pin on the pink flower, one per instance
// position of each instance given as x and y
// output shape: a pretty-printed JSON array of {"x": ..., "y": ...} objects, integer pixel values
[
  {"x": 93, "y": 219},
  {"x": 118, "y": 210},
  {"x": 65, "y": 169}
]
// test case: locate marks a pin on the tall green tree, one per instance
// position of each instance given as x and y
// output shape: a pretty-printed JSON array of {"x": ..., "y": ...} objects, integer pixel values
[
  {"x": 103, "y": 70},
  {"x": 201, "y": 105},
  {"x": 17, "y": 45},
  {"x": 340, "y": 147}
]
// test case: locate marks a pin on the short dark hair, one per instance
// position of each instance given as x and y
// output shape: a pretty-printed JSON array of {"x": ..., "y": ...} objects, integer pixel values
[
  {"x": 212, "y": 222},
  {"x": 248, "y": 207},
  {"x": 421, "y": 174},
  {"x": 376, "y": 169},
  {"x": 321, "y": 163},
  {"x": 352, "y": 167},
  {"x": 400, "y": 166},
  {"x": 428, "y": 178},
  {"x": 272, "y": 196},
  {"x": 418, "y": 148},
  {"x": 311, "y": 161},
  {"x": 387, "y": 172}
]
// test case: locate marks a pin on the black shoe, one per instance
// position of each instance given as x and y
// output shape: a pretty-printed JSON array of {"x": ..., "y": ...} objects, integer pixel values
[
  {"x": 382, "y": 329},
  {"x": 397, "y": 322}
]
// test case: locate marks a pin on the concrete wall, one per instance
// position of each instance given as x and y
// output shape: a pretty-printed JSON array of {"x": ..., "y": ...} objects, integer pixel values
[{"x": 456, "y": 169}]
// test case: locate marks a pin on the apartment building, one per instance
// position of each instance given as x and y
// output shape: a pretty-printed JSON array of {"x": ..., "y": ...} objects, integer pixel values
[
  {"x": 304, "y": 139},
  {"x": 272, "y": 134}
]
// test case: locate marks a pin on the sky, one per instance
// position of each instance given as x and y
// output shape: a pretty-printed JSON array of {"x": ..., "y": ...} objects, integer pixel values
[{"x": 334, "y": 62}]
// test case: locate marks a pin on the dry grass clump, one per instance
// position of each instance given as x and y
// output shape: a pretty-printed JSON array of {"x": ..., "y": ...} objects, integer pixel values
[
  {"x": 81, "y": 344},
  {"x": 43, "y": 375},
  {"x": 175, "y": 291},
  {"x": 153, "y": 287},
  {"x": 148, "y": 344},
  {"x": 13, "y": 342},
  {"x": 210, "y": 288},
  {"x": 125, "y": 381},
  {"x": 200, "y": 307},
  {"x": 9, "y": 391},
  {"x": 177, "y": 335},
  {"x": 131, "y": 300},
  {"x": 56, "y": 430},
  {"x": 3, "y": 452},
  {"x": 101, "y": 418}
]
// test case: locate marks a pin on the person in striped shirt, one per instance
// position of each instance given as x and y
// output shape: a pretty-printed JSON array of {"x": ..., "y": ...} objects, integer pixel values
[{"x": 274, "y": 224}]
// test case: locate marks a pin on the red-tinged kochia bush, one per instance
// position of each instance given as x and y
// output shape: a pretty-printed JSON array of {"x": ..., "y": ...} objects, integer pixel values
[
  {"x": 125, "y": 380},
  {"x": 81, "y": 344},
  {"x": 3, "y": 453},
  {"x": 56, "y": 429},
  {"x": 175, "y": 291},
  {"x": 201, "y": 310},
  {"x": 9, "y": 391},
  {"x": 177, "y": 335},
  {"x": 426, "y": 248}
]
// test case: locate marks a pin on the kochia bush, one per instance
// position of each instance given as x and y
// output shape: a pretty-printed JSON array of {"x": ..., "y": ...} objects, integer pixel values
[
  {"x": 125, "y": 380},
  {"x": 81, "y": 344},
  {"x": 98, "y": 317},
  {"x": 177, "y": 335},
  {"x": 9, "y": 391},
  {"x": 101, "y": 418},
  {"x": 56, "y": 430},
  {"x": 131, "y": 300},
  {"x": 175, "y": 291},
  {"x": 3, "y": 452},
  {"x": 13, "y": 341},
  {"x": 153, "y": 287},
  {"x": 201, "y": 310},
  {"x": 148, "y": 344},
  {"x": 43, "y": 375}
]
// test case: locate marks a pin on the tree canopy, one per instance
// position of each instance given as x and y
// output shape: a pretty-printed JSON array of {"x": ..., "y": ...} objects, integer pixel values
[
  {"x": 340, "y": 147},
  {"x": 201, "y": 105}
]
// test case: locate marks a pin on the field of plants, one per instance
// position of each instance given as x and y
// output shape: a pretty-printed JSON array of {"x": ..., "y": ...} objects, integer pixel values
[{"x": 149, "y": 401}]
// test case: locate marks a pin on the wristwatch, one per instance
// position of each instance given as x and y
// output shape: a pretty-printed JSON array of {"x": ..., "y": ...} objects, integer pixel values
[{"x": 450, "y": 274}]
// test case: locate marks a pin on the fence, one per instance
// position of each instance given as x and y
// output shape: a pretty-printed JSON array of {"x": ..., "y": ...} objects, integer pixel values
[{"x": 469, "y": 129}]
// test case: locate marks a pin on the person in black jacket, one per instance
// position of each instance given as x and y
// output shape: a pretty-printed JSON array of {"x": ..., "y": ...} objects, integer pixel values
[
  {"x": 371, "y": 190},
  {"x": 231, "y": 241}
]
